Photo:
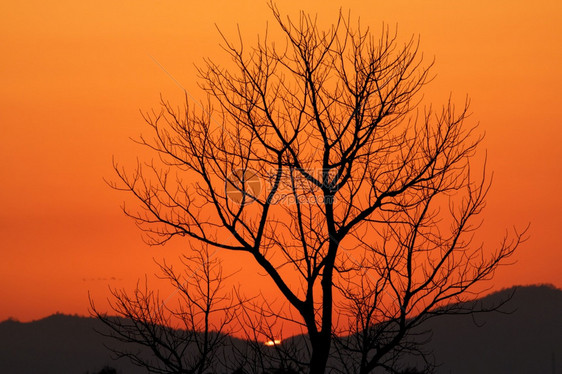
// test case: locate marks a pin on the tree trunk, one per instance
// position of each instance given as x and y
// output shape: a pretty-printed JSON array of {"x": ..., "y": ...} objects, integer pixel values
[{"x": 320, "y": 352}]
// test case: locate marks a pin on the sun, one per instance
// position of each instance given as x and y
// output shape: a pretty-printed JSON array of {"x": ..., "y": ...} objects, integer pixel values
[{"x": 274, "y": 342}]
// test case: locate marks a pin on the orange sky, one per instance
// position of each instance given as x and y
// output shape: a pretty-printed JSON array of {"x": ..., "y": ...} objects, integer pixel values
[{"x": 75, "y": 74}]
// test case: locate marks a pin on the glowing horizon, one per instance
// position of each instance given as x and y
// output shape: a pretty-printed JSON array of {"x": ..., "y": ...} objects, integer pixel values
[{"x": 77, "y": 73}]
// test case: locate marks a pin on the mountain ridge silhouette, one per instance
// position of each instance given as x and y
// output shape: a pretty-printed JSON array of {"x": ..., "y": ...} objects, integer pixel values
[{"x": 528, "y": 339}]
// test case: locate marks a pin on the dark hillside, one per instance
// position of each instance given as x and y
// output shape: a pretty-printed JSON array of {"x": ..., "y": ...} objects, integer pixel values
[{"x": 527, "y": 340}]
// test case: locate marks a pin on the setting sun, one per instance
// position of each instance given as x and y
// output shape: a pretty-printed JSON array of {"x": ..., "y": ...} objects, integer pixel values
[{"x": 271, "y": 343}]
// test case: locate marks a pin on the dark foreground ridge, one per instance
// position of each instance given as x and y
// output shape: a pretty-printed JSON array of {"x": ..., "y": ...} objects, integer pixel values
[{"x": 528, "y": 340}]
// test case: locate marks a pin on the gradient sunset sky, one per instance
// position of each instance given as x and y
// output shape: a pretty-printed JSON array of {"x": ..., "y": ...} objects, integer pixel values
[{"x": 75, "y": 74}]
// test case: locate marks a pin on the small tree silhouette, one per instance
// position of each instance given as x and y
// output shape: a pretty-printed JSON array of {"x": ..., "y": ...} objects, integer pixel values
[{"x": 182, "y": 336}]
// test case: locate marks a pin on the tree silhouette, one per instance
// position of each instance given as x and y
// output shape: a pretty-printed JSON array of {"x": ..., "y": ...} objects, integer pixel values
[
  {"x": 174, "y": 337},
  {"x": 315, "y": 156},
  {"x": 107, "y": 370}
]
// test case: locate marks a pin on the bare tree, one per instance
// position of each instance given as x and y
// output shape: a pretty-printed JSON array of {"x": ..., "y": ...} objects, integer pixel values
[
  {"x": 313, "y": 155},
  {"x": 184, "y": 333}
]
